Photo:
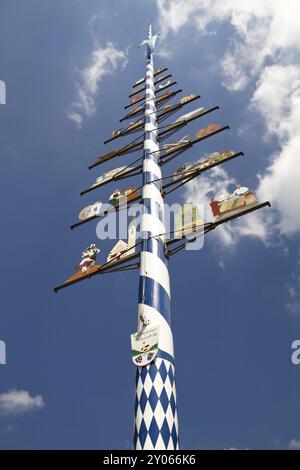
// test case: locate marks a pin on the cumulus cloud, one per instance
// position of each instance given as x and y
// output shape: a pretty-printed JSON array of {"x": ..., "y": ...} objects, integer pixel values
[
  {"x": 264, "y": 48},
  {"x": 263, "y": 30},
  {"x": 175, "y": 14},
  {"x": 19, "y": 402},
  {"x": 277, "y": 99},
  {"x": 103, "y": 61}
]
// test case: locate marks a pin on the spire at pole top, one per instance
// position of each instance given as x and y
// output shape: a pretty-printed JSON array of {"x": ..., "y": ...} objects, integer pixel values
[{"x": 150, "y": 41}]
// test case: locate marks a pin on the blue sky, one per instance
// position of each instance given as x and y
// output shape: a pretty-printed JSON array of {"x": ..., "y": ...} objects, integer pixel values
[{"x": 68, "y": 68}]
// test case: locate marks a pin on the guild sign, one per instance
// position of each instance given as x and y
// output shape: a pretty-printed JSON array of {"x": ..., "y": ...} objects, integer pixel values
[{"x": 144, "y": 346}]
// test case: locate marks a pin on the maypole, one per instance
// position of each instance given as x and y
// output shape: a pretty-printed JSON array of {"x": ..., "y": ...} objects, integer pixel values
[{"x": 156, "y": 423}]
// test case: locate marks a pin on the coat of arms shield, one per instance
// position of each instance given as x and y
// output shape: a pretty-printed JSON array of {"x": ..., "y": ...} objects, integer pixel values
[{"x": 144, "y": 346}]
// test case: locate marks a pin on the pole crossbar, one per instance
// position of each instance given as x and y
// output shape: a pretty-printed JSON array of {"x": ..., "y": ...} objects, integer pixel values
[
  {"x": 161, "y": 99},
  {"x": 162, "y": 69},
  {"x": 161, "y": 79},
  {"x": 206, "y": 228}
]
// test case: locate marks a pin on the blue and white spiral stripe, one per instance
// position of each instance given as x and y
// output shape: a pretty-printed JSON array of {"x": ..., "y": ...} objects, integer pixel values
[{"x": 156, "y": 422}]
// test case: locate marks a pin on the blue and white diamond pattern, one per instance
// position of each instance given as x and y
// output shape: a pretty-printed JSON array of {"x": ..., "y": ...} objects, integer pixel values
[{"x": 156, "y": 425}]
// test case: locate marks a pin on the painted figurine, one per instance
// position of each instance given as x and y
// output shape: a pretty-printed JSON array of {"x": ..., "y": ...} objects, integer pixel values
[
  {"x": 118, "y": 197},
  {"x": 181, "y": 170},
  {"x": 89, "y": 256},
  {"x": 235, "y": 202}
]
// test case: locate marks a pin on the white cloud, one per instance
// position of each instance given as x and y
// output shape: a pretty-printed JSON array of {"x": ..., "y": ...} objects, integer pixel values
[
  {"x": 19, "y": 402},
  {"x": 175, "y": 14},
  {"x": 103, "y": 61},
  {"x": 164, "y": 53},
  {"x": 294, "y": 444},
  {"x": 76, "y": 117},
  {"x": 277, "y": 99},
  {"x": 262, "y": 30},
  {"x": 264, "y": 47}
]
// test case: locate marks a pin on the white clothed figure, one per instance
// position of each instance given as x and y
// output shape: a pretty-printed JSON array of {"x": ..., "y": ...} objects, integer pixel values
[{"x": 240, "y": 190}]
